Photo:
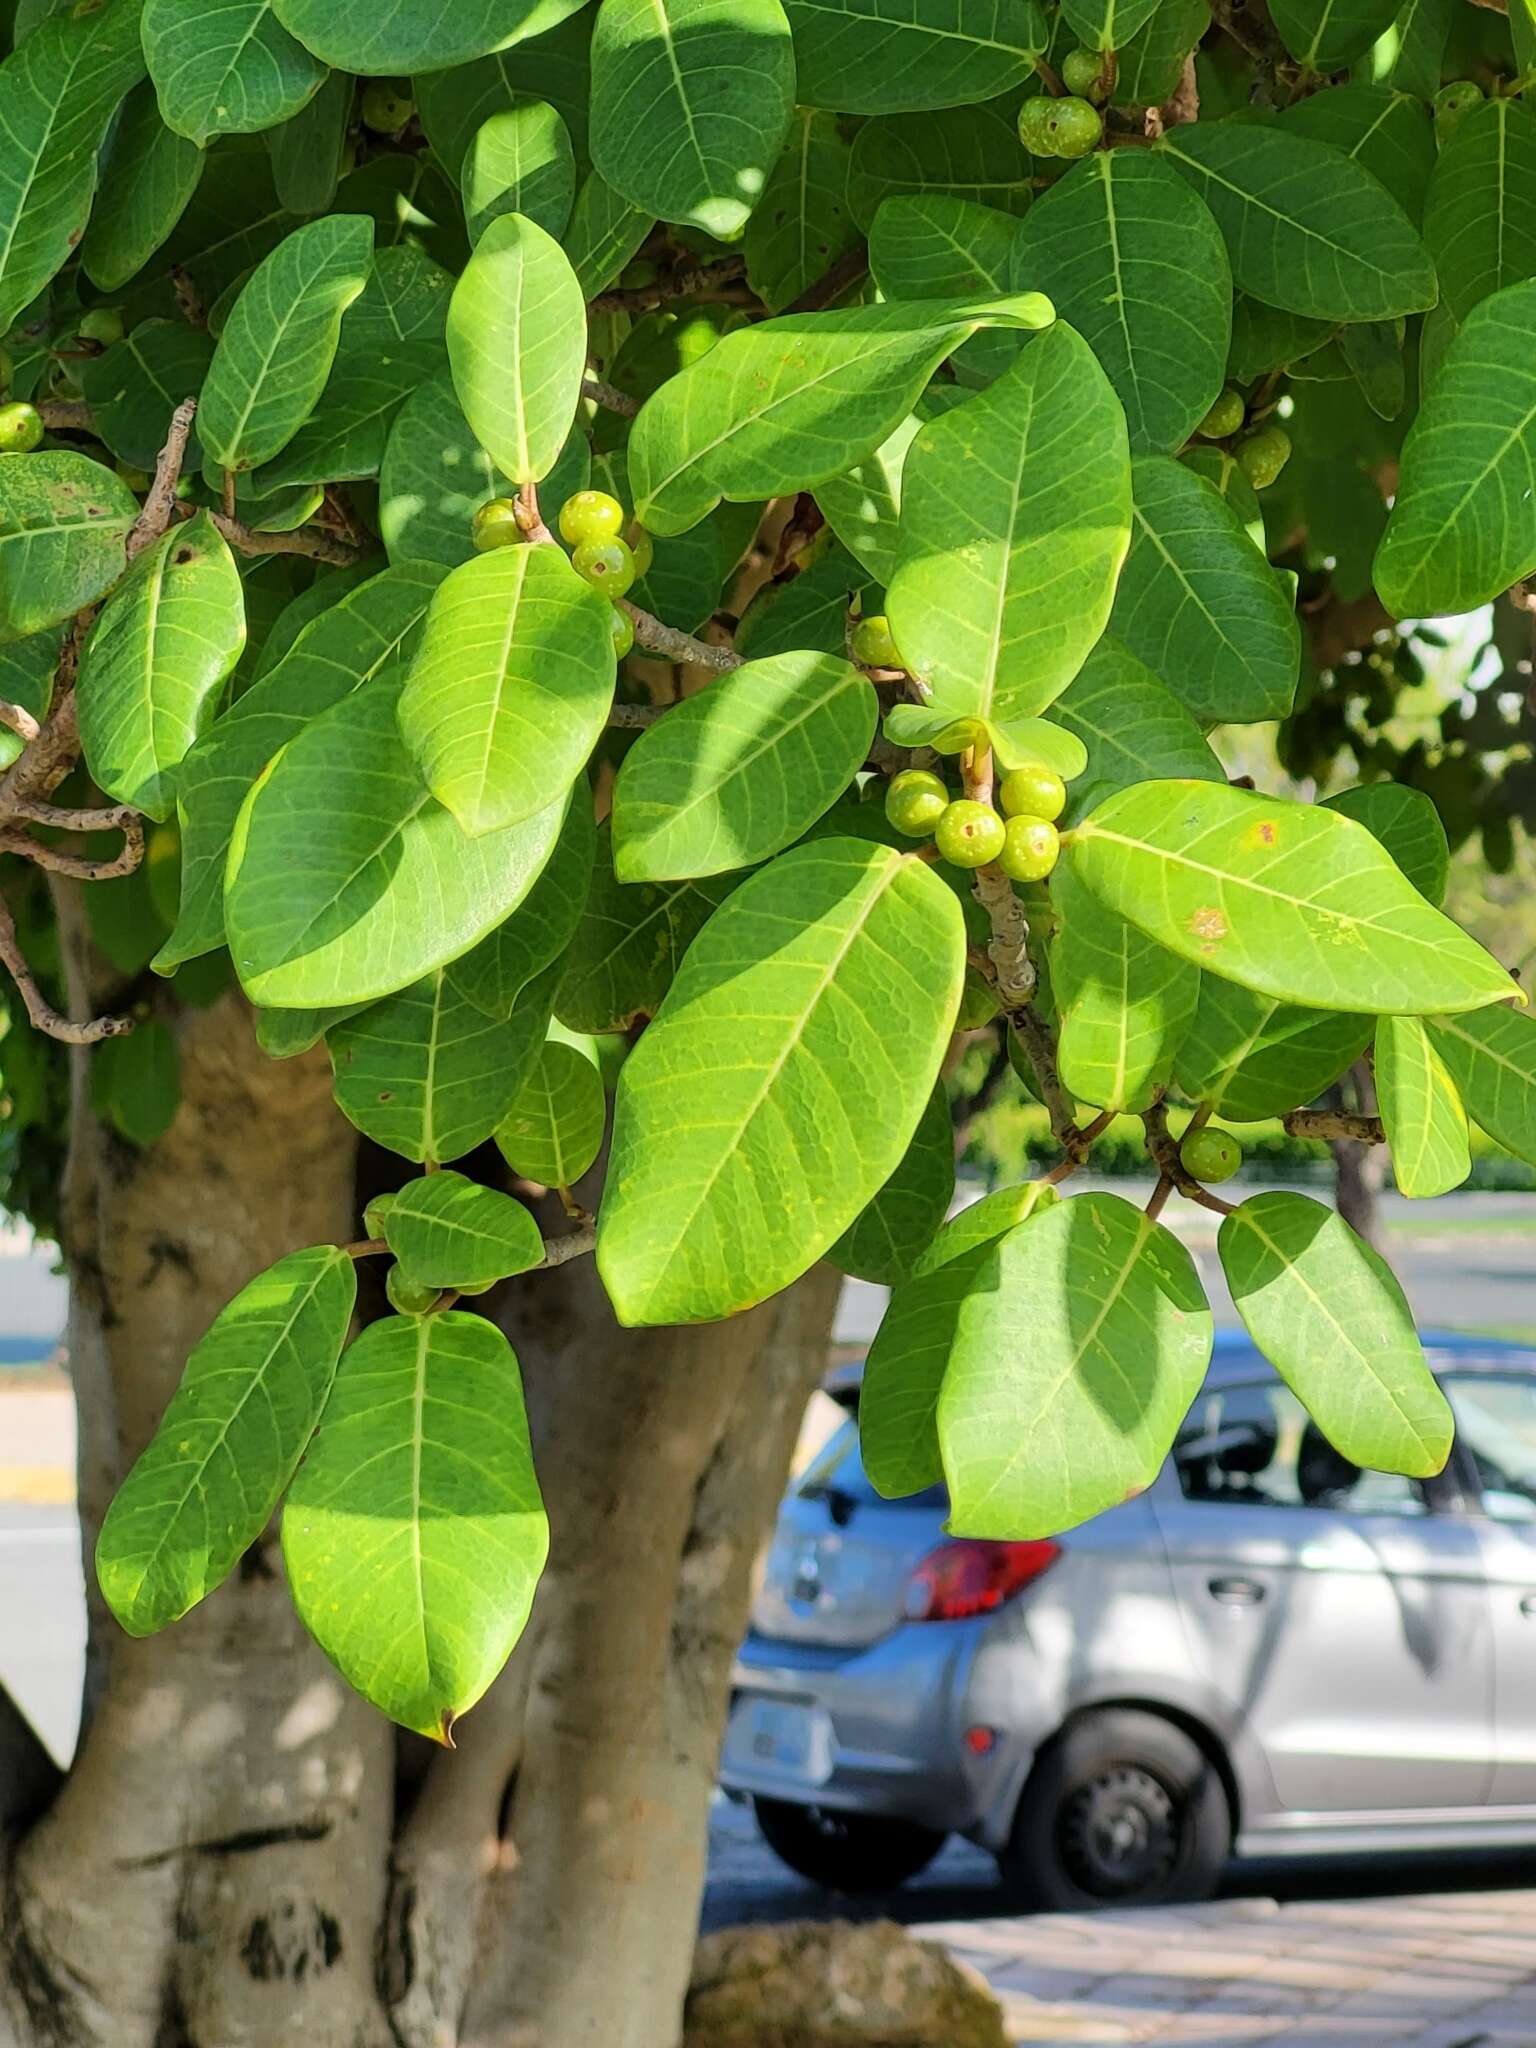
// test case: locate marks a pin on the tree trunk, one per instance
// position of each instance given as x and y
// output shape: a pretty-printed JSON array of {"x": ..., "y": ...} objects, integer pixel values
[
  {"x": 1361, "y": 1169},
  {"x": 234, "y": 1860}
]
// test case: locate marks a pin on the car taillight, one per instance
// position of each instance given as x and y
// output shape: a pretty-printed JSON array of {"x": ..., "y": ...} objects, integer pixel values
[{"x": 974, "y": 1576}]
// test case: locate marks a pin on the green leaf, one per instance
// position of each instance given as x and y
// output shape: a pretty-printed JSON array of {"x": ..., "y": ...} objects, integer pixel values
[
  {"x": 156, "y": 660},
  {"x": 390, "y": 887},
  {"x": 517, "y": 343},
  {"x": 278, "y": 344},
  {"x": 1198, "y": 603},
  {"x": 1106, "y": 24},
  {"x": 882, "y": 57},
  {"x": 309, "y": 151},
  {"x": 1152, "y": 62},
  {"x": 415, "y": 35},
  {"x": 863, "y": 505},
  {"x": 1251, "y": 1057},
  {"x": 510, "y": 686},
  {"x": 801, "y": 225},
  {"x": 425, "y": 1072},
  {"x": 742, "y": 768},
  {"x": 433, "y": 477},
  {"x": 64, "y": 522},
  {"x": 202, "y": 1490},
  {"x": 731, "y": 1169},
  {"x": 1131, "y": 727},
  {"x": 548, "y": 60},
  {"x": 1285, "y": 898},
  {"x": 788, "y": 403},
  {"x": 365, "y": 633},
  {"x": 1325, "y": 35},
  {"x": 58, "y": 94},
  {"x": 1425, "y": 1121},
  {"x": 970, "y": 152},
  {"x": 1014, "y": 521},
  {"x": 1307, "y": 229},
  {"x": 1104, "y": 245},
  {"x": 1329, "y": 1315},
  {"x": 26, "y": 678},
  {"x": 1408, "y": 825},
  {"x": 151, "y": 174},
  {"x": 447, "y": 1231},
  {"x": 1388, "y": 133},
  {"x": 604, "y": 233},
  {"x": 554, "y": 1129},
  {"x": 1491, "y": 1055},
  {"x": 691, "y": 102},
  {"x": 930, "y": 245},
  {"x": 1077, "y": 1351},
  {"x": 1460, "y": 532},
  {"x": 1264, "y": 338},
  {"x": 227, "y": 69},
  {"x": 493, "y": 974},
  {"x": 1421, "y": 30},
  {"x": 136, "y": 1081},
  {"x": 284, "y": 1034},
  {"x": 414, "y": 1534},
  {"x": 890, "y": 1233},
  {"x": 520, "y": 161},
  {"x": 1481, "y": 220},
  {"x": 899, "y": 1394},
  {"x": 135, "y": 386},
  {"x": 1123, "y": 1003},
  {"x": 626, "y": 949}
]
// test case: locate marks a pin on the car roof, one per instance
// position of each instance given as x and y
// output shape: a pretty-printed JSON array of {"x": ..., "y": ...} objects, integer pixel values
[{"x": 1235, "y": 1357}]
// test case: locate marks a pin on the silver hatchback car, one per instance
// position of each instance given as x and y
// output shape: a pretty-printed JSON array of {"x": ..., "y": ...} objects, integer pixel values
[{"x": 1270, "y": 1653}]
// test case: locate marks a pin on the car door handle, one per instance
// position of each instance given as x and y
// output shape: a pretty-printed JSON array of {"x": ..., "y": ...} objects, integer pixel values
[
  {"x": 1528, "y": 1604},
  {"x": 1236, "y": 1592}
]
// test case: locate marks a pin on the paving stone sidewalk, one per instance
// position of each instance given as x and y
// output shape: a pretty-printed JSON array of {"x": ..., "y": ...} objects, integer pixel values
[{"x": 1430, "y": 1971}]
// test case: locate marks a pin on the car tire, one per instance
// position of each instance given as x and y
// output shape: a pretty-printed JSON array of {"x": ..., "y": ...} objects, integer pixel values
[
  {"x": 1122, "y": 1809},
  {"x": 846, "y": 1852}
]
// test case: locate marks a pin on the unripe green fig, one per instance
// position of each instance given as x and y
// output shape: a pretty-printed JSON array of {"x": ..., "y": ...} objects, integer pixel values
[
  {"x": 1031, "y": 847},
  {"x": 375, "y": 1213},
  {"x": 590, "y": 515},
  {"x": 1035, "y": 125},
  {"x": 495, "y": 525},
  {"x": 408, "y": 1297},
  {"x": 969, "y": 834},
  {"x": 915, "y": 800},
  {"x": 1225, "y": 416},
  {"x": 1262, "y": 455},
  {"x": 623, "y": 632},
  {"x": 1033, "y": 791},
  {"x": 1453, "y": 103},
  {"x": 1074, "y": 126},
  {"x": 1210, "y": 1155},
  {"x": 103, "y": 324},
  {"x": 21, "y": 428},
  {"x": 1082, "y": 72},
  {"x": 387, "y": 105},
  {"x": 872, "y": 643},
  {"x": 607, "y": 565},
  {"x": 643, "y": 548}
]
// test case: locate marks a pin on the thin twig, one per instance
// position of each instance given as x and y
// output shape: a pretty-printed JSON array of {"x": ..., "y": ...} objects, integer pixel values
[
  {"x": 42, "y": 1013},
  {"x": 1165, "y": 1157},
  {"x": 17, "y": 719},
  {"x": 529, "y": 518},
  {"x": 1335, "y": 1123},
  {"x": 304, "y": 540},
  {"x": 366, "y": 1248},
  {"x": 635, "y": 716},
  {"x": 64, "y": 415},
  {"x": 710, "y": 283},
  {"x": 830, "y": 286},
  {"x": 574, "y": 1245},
  {"x": 55, "y": 861},
  {"x": 667, "y": 641},
  {"x": 159, "y": 505},
  {"x": 609, "y": 397}
]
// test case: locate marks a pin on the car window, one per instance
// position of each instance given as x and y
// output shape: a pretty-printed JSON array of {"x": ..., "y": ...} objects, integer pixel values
[
  {"x": 1257, "y": 1446},
  {"x": 838, "y": 1470},
  {"x": 1496, "y": 1428}
]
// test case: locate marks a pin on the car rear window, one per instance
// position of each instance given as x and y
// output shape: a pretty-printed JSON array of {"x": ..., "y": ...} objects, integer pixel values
[{"x": 837, "y": 1469}]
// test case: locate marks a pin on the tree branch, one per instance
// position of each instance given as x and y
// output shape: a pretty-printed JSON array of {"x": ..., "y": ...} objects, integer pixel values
[
  {"x": 17, "y": 719},
  {"x": 574, "y": 1245},
  {"x": 159, "y": 505},
  {"x": 609, "y": 397},
  {"x": 1008, "y": 948},
  {"x": 709, "y": 283},
  {"x": 305, "y": 540},
  {"x": 830, "y": 286},
  {"x": 668, "y": 642},
  {"x": 1335, "y": 1123},
  {"x": 65, "y": 415},
  {"x": 42, "y": 1013},
  {"x": 1164, "y": 1149}
]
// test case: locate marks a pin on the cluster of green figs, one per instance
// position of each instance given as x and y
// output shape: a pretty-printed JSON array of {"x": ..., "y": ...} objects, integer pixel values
[{"x": 592, "y": 526}]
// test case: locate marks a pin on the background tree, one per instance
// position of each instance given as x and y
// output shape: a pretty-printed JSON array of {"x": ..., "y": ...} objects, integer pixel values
[{"x": 940, "y": 409}]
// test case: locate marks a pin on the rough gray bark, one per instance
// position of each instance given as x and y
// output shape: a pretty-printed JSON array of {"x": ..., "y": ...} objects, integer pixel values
[{"x": 226, "y": 1864}]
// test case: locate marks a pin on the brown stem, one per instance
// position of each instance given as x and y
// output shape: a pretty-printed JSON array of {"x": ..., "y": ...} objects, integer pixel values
[
  {"x": 656, "y": 638},
  {"x": 366, "y": 1248},
  {"x": 1159, "y": 1200},
  {"x": 635, "y": 716},
  {"x": 529, "y": 518},
  {"x": 1165, "y": 1157},
  {"x": 17, "y": 719},
  {"x": 609, "y": 397},
  {"x": 42, "y": 1013},
  {"x": 306, "y": 540},
  {"x": 1335, "y": 1123},
  {"x": 1008, "y": 948},
  {"x": 710, "y": 283},
  {"x": 64, "y": 415},
  {"x": 574, "y": 1245},
  {"x": 76, "y": 866},
  {"x": 159, "y": 505},
  {"x": 830, "y": 286}
]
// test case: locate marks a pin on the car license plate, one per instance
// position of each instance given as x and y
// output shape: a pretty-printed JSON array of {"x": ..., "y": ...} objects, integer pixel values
[{"x": 781, "y": 1736}]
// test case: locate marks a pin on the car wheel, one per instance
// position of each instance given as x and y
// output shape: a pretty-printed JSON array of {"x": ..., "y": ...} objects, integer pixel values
[
  {"x": 846, "y": 1852},
  {"x": 1123, "y": 1809}
]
